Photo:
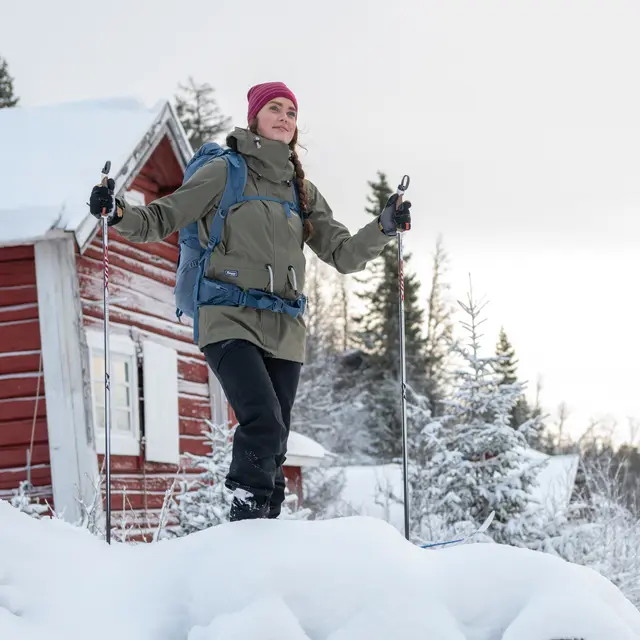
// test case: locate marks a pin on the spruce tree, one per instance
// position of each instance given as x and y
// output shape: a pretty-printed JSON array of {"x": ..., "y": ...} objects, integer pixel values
[
  {"x": 7, "y": 97},
  {"x": 204, "y": 501},
  {"x": 378, "y": 336},
  {"x": 471, "y": 461},
  {"x": 200, "y": 114},
  {"x": 506, "y": 367}
]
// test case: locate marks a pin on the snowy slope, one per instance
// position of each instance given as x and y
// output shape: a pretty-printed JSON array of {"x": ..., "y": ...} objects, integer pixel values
[
  {"x": 51, "y": 156},
  {"x": 344, "y": 579}
]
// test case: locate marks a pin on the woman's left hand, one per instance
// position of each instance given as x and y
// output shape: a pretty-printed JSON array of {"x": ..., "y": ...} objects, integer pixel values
[{"x": 394, "y": 218}]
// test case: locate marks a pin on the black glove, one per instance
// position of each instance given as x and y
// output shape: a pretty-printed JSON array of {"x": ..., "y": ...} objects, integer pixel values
[
  {"x": 102, "y": 197},
  {"x": 393, "y": 220}
]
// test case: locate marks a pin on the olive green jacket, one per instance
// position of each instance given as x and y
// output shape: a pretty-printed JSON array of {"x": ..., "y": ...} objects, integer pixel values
[{"x": 256, "y": 234}]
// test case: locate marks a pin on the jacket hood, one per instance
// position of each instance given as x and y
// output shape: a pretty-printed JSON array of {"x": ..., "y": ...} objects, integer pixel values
[{"x": 270, "y": 159}]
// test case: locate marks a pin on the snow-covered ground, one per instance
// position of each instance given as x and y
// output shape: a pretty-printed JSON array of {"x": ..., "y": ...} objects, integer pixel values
[{"x": 343, "y": 579}]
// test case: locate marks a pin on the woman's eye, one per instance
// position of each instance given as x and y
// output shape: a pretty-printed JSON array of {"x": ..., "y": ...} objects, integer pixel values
[{"x": 292, "y": 114}]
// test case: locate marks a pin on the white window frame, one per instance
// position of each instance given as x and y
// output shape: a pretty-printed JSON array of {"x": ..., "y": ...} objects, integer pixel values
[{"x": 125, "y": 444}]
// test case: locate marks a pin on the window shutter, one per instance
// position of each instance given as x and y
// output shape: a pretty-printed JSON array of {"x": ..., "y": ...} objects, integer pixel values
[{"x": 161, "y": 416}]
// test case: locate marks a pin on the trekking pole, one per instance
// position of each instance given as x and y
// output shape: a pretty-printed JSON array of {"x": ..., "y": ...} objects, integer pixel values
[
  {"x": 107, "y": 356},
  {"x": 402, "y": 187}
]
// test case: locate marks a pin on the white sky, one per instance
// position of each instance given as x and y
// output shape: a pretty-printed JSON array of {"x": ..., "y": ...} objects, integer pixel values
[{"x": 517, "y": 121}]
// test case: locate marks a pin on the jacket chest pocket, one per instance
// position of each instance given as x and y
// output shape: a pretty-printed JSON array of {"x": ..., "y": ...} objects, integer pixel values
[{"x": 248, "y": 232}]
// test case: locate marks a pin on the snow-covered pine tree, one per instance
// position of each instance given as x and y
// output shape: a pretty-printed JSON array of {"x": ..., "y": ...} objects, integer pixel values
[
  {"x": 200, "y": 114},
  {"x": 204, "y": 501},
  {"x": 471, "y": 461},
  {"x": 7, "y": 97},
  {"x": 378, "y": 337}
]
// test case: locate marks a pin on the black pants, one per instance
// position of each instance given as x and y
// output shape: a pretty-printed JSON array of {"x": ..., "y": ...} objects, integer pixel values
[{"x": 261, "y": 390}]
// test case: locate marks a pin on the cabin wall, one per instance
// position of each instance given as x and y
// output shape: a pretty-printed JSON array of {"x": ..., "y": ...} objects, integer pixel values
[{"x": 23, "y": 421}]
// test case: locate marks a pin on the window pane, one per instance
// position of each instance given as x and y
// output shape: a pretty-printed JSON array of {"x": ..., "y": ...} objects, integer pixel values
[
  {"x": 121, "y": 420},
  {"x": 100, "y": 417},
  {"x": 97, "y": 363},
  {"x": 120, "y": 396},
  {"x": 98, "y": 393},
  {"x": 119, "y": 370}
]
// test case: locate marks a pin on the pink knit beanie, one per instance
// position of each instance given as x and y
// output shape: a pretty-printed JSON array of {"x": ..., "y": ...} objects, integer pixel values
[{"x": 260, "y": 94}]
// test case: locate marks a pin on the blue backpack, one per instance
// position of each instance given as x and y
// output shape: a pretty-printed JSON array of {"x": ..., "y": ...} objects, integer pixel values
[{"x": 193, "y": 289}]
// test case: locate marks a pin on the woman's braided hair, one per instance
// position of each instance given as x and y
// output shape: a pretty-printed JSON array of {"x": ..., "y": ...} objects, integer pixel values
[{"x": 303, "y": 196}]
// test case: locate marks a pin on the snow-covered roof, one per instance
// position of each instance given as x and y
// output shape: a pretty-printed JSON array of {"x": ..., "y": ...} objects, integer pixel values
[
  {"x": 302, "y": 451},
  {"x": 51, "y": 156}
]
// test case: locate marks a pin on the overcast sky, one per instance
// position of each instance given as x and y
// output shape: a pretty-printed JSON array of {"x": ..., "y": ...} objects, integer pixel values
[{"x": 517, "y": 121}]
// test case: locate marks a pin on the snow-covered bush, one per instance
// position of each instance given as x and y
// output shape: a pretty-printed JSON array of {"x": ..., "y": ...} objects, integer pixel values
[
  {"x": 600, "y": 531},
  {"x": 204, "y": 501},
  {"x": 24, "y": 501}
]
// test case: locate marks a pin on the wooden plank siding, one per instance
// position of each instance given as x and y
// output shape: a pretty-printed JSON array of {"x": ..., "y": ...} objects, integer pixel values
[{"x": 23, "y": 422}]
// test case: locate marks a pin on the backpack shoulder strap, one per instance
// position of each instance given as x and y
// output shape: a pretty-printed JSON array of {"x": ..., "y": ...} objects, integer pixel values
[{"x": 232, "y": 194}]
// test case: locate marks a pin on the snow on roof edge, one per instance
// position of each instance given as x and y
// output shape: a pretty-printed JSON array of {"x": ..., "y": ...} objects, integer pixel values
[
  {"x": 167, "y": 119},
  {"x": 301, "y": 446},
  {"x": 25, "y": 219}
]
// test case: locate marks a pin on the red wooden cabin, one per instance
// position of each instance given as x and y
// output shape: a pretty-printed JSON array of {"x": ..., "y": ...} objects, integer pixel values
[{"x": 51, "y": 329}]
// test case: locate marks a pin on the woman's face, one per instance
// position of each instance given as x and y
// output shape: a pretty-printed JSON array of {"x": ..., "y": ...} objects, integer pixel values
[{"x": 277, "y": 120}]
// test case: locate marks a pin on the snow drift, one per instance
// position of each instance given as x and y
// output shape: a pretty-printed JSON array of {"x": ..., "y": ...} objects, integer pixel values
[{"x": 343, "y": 579}]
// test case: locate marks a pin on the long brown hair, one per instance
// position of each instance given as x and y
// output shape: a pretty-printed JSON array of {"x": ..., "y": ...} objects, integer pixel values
[{"x": 303, "y": 196}]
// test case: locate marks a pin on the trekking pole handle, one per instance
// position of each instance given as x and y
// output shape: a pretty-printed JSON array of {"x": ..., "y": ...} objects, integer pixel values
[
  {"x": 105, "y": 177},
  {"x": 404, "y": 184},
  {"x": 402, "y": 187}
]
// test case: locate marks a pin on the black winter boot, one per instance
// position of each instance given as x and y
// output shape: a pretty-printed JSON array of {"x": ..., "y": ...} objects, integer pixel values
[{"x": 246, "y": 506}]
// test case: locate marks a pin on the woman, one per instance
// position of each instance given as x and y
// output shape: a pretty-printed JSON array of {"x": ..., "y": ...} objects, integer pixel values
[{"x": 257, "y": 354}]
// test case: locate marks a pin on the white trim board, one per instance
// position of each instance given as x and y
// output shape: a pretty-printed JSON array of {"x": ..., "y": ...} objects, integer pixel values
[
  {"x": 217, "y": 400},
  {"x": 74, "y": 465}
]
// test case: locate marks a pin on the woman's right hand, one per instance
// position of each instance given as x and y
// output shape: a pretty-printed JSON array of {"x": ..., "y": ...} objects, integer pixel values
[{"x": 103, "y": 199}]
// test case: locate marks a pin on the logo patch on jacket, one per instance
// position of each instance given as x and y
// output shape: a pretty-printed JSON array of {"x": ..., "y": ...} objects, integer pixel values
[{"x": 232, "y": 273}]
